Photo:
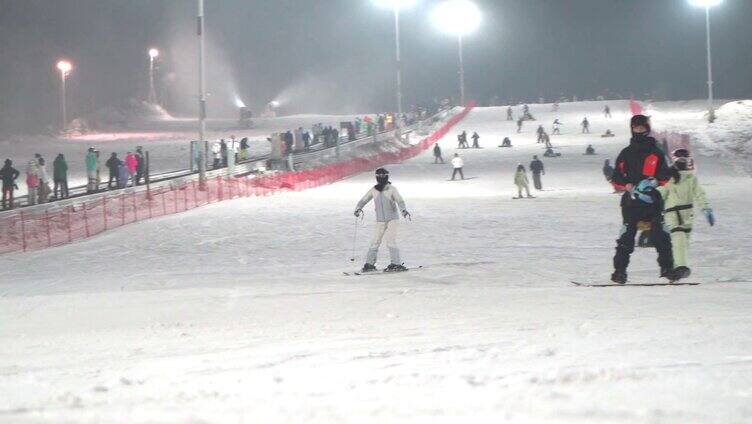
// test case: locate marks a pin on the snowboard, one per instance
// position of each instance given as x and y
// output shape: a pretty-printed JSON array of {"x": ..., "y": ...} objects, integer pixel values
[
  {"x": 468, "y": 178},
  {"x": 531, "y": 197},
  {"x": 632, "y": 284},
  {"x": 378, "y": 272}
]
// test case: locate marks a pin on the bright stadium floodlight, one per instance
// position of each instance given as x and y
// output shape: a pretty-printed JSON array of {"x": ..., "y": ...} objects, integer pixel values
[
  {"x": 459, "y": 18},
  {"x": 64, "y": 67},
  {"x": 153, "y": 53},
  {"x": 707, "y": 4},
  {"x": 397, "y": 6}
]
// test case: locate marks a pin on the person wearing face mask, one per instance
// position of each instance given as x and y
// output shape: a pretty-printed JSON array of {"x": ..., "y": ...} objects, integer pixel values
[
  {"x": 389, "y": 204},
  {"x": 639, "y": 169}
]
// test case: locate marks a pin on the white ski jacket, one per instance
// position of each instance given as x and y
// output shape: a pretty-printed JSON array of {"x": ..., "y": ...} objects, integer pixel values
[
  {"x": 458, "y": 163},
  {"x": 388, "y": 203}
]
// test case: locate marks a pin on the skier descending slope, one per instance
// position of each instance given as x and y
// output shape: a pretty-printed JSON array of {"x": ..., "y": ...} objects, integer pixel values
[
  {"x": 387, "y": 200},
  {"x": 681, "y": 195},
  {"x": 640, "y": 168}
]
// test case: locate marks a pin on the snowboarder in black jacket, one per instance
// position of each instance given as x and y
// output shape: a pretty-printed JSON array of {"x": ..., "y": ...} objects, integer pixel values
[
  {"x": 437, "y": 154},
  {"x": 536, "y": 167},
  {"x": 475, "y": 138},
  {"x": 8, "y": 174},
  {"x": 639, "y": 169}
]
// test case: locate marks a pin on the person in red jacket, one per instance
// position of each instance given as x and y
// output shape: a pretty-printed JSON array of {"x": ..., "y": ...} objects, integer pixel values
[
  {"x": 639, "y": 169},
  {"x": 131, "y": 162}
]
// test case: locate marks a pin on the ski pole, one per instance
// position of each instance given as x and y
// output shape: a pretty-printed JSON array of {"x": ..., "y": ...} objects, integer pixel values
[{"x": 355, "y": 238}]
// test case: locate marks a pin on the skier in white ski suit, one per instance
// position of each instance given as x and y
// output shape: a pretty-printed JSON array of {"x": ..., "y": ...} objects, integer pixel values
[{"x": 388, "y": 204}]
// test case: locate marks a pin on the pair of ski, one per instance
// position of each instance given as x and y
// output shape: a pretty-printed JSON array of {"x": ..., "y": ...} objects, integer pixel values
[
  {"x": 677, "y": 283},
  {"x": 378, "y": 272}
]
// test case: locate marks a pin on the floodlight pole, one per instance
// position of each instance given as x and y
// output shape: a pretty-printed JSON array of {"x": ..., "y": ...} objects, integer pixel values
[
  {"x": 201, "y": 97},
  {"x": 462, "y": 72},
  {"x": 152, "y": 91},
  {"x": 711, "y": 109},
  {"x": 63, "y": 112},
  {"x": 399, "y": 62}
]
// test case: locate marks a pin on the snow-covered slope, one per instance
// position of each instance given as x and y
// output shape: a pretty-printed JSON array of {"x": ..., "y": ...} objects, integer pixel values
[
  {"x": 730, "y": 135},
  {"x": 239, "y": 312}
]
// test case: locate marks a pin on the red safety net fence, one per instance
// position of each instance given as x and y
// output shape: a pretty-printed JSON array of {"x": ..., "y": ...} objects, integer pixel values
[{"x": 39, "y": 228}]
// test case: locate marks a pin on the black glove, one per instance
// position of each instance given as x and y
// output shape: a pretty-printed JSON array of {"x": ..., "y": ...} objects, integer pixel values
[
  {"x": 358, "y": 213},
  {"x": 407, "y": 215}
]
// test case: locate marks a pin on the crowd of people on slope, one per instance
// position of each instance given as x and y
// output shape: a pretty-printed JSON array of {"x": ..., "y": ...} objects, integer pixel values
[
  {"x": 41, "y": 188},
  {"x": 655, "y": 195},
  {"x": 131, "y": 170}
]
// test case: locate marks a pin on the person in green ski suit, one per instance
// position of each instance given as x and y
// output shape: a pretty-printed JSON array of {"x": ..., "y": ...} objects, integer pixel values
[
  {"x": 91, "y": 170},
  {"x": 681, "y": 195}
]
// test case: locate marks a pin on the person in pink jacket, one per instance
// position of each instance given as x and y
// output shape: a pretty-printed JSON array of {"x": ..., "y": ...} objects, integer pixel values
[{"x": 131, "y": 162}]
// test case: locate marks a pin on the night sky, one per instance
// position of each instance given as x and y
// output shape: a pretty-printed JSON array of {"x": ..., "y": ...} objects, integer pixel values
[{"x": 334, "y": 56}]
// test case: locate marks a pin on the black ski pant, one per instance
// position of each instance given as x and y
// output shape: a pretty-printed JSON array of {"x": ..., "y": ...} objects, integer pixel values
[
  {"x": 537, "y": 181},
  {"x": 436, "y": 159},
  {"x": 113, "y": 177},
  {"x": 61, "y": 185},
  {"x": 660, "y": 239},
  {"x": 456, "y": 170}
]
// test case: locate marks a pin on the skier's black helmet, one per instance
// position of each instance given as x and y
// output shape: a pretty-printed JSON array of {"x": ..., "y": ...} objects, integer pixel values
[
  {"x": 640, "y": 120},
  {"x": 682, "y": 159},
  {"x": 382, "y": 176}
]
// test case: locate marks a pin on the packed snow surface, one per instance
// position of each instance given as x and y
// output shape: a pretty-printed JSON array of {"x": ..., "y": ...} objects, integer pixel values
[{"x": 240, "y": 312}]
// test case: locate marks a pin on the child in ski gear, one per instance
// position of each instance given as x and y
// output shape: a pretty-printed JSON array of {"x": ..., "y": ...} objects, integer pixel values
[
  {"x": 388, "y": 204},
  {"x": 607, "y": 134},
  {"x": 60, "y": 176},
  {"x": 475, "y": 138},
  {"x": 590, "y": 150},
  {"x": 510, "y": 116},
  {"x": 585, "y": 126},
  {"x": 681, "y": 195},
  {"x": 639, "y": 169},
  {"x": 457, "y": 164},
  {"x": 607, "y": 111},
  {"x": 519, "y": 125},
  {"x": 536, "y": 167},
  {"x": 521, "y": 181},
  {"x": 437, "y": 154},
  {"x": 506, "y": 142},
  {"x": 122, "y": 175},
  {"x": 8, "y": 174},
  {"x": 32, "y": 181},
  {"x": 244, "y": 145}
]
